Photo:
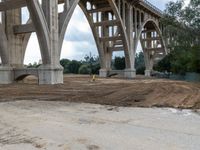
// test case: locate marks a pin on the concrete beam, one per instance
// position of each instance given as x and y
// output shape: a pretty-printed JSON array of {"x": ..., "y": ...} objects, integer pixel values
[
  {"x": 120, "y": 48},
  {"x": 9, "y": 5},
  {"x": 21, "y": 29},
  {"x": 107, "y": 23},
  {"x": 104, "y": 9},
  {"x": 114, "y": 38}
]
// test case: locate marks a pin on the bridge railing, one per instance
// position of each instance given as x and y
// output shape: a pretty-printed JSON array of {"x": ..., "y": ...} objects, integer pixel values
[{"x": 153, "y": 7}]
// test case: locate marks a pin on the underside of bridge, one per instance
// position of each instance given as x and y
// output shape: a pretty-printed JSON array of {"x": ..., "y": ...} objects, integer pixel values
[{"x": 117, "y": 25}]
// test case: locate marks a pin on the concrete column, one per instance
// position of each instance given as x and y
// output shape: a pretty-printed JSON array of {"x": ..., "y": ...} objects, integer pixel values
[
  {"x": 11, "y": 46},
  {"x": 6, "y": 75},
  {"x": 6, "y": 71},
  {"x": 130, "y": 72},
  {"x": 15, "y": 42},
  {"x": 45, "y": 20},
  {"x": 124, "y": 11},
  {"x": 66, "y": 5},
  {"x": 52, "y": 73},
  {"x": 148, "y": 56},
  {"x": 107, "y": 58},
  {"x": 135, "y": 23},
  {"x": 140, "y": 18},
  {"x": 119, "y": 6}
]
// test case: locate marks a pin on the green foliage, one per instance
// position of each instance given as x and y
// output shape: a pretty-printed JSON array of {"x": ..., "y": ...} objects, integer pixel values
[
  {"x": 182, "y": 27},
  {"x": 182, "y": 23},
  {"x": 181, "y": 60},
  {"x": 95, "y": 68},
  {"x": 164, "y": 64},
  {"x": 73, "y": 66},
  {"x": 65, "y": 63},
  {"x": 119, "y": 63},
  {"x": 90, "y": 65},
  {"x": 34, "y": 65},
  {"x": 84, "y": 69},
  {"x": 139, "y": 63},
  {"x": 93, "y": 63}
]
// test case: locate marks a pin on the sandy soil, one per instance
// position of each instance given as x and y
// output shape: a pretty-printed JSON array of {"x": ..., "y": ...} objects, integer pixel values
[
  {"x": 118, "y": 92},
  {"x": 44, "y": 125}
]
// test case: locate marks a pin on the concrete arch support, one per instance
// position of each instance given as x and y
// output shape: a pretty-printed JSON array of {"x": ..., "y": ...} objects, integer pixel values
[
  {"x": 152, "y": 43},
  {"x": 65, "y": 18},
  {"x": 6, "y": 74},
  {"x": 42, "y": 30},
  {"x": 47, "y": 29},
  {"x": 3, "y": 47}
]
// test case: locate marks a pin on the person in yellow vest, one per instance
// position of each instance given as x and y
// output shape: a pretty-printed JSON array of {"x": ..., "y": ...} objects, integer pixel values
[{"x": 93, "y": 78}]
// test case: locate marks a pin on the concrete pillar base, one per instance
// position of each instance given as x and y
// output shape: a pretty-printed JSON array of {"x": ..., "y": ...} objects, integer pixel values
[
  {"x": 103, "y": 73},
  {"x": 129, "y": 73},
  {"x": 147, "y": 73},
  {"x": 6, "y": 75},
  {"x": 50, "y": 74}
]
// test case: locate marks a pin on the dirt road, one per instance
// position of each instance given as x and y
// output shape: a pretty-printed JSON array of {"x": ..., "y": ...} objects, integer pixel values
[
  {"x": 117, "y": 92},
  {"x": 44, "y": 125}
]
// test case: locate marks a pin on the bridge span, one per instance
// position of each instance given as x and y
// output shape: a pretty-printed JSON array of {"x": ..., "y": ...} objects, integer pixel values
[{"x": 117, "y": 25}]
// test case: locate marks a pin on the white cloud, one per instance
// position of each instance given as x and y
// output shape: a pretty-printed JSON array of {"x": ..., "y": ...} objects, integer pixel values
[
  {"x": 33, "y": 50},
  {"x": 79, "y": 40},
  {"x": 70, "y": 51}
]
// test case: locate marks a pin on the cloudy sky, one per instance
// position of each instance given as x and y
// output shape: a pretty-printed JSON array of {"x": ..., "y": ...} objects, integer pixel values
[{"x": 78, "y": 41}]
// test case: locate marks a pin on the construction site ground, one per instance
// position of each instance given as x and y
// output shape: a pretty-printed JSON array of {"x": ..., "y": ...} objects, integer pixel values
[
  {"x": 85, "y": 115},
  {"x": 139, "y": 92}
]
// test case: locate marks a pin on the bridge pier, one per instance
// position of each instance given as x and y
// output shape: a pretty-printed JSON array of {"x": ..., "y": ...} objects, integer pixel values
[
  {"x": 46, "y": 22},
  {"x": 126, "y": 73},
  {"x": 129, "y": 73},
  {"x": 103, "y": 73},
  {"x": 45, "y": 74},
  {"x": 50, "y": 75},
  {"x": 6, "y": 75}
]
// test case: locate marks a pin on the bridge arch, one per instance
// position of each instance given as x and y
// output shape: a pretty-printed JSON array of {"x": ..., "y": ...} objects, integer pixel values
[
  {"x": 20, "y": 74},
  {"x": 101, "y": 26},
  {"x": 152, "y": 43},
  {"x": 90, "y": 22},
  {"x": 154, "y": 26}
]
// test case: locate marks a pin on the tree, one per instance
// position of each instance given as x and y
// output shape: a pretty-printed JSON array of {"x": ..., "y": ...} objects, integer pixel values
[
  {"x": 64, "y": 63},
  {"x": 84, "y": 69},
  {"x": 139, "y": 63},
  {"x": 34, "y": 65},
  {"x": 119, "y": 63},
  {"x": 182, "y": 23},
  {"x": 73, "y": 66},
  {"x": 93, "y": 63},
  {"x": 164, "y": 64},
  {"x": 182, "y": 28}
]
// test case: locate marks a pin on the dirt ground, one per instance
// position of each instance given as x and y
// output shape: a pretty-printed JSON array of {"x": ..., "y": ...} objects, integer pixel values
[
  {"x": 54, "y": 125},
  {"x": 139, "y": 92}
]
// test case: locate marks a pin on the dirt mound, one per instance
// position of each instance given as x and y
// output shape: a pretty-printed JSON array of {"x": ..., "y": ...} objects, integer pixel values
[{"x": 118, "y": 92}]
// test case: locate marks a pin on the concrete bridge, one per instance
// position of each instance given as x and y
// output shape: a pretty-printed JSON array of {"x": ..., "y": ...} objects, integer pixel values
[{"x": 117, "y": 25}]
